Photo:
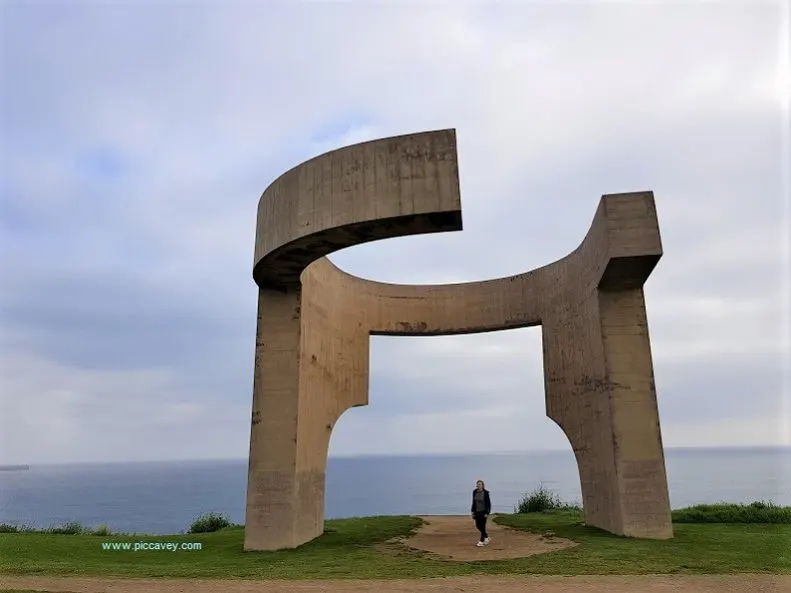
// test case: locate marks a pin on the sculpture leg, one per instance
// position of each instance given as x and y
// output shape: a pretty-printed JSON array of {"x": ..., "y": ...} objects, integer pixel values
[
  {"x": 636, "y": 435},
  {"x": 271, "y": 484},
  {"x": 333, "y": 378},
  {"x": 600, "y": 390}
]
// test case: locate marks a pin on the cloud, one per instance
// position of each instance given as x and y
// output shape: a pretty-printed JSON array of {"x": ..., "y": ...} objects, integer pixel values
[{"x": 139, "y": 138}]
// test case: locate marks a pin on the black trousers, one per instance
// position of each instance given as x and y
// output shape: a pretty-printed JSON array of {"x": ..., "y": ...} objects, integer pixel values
[{"x": 480, "y": 524}]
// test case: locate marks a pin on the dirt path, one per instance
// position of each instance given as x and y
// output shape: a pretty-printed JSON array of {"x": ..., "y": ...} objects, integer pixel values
[
  {"x": 501, "y": 584},
  {"x": 454, "y": 538}
]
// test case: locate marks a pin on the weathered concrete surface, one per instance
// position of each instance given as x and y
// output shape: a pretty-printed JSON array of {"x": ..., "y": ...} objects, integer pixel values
[{"x": 314, "y": 321}]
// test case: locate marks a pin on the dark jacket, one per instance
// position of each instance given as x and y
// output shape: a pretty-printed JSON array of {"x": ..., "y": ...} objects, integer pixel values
[{"x": 486, "y": 500}]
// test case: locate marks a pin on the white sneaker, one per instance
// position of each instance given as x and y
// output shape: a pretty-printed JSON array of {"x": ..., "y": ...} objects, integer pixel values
[
  {"x": 486, "y": 542},
  {"x": 480, "y": 544}
]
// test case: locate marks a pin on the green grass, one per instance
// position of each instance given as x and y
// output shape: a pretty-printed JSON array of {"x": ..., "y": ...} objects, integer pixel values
[
  {"x": 542, "y": 499},
  {"x": 209, "y": 522},
  {"x": 755, "y": 512},
  {"x": 349, "y": 549},
  {"x": 69, "y": 528},
  {"x": 695, "y": 548}
]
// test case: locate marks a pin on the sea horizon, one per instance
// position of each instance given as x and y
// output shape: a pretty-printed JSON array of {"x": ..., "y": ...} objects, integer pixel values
[
  {"x": 722, "y": 448},
  {"x": 165, "y": 496}
]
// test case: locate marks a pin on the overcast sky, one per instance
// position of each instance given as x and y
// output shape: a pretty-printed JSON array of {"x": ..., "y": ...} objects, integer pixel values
[{"x": 138, "y": 138}]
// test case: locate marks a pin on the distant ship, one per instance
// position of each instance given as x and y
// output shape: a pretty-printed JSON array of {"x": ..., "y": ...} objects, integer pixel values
[{"x": 14, "y": 468}]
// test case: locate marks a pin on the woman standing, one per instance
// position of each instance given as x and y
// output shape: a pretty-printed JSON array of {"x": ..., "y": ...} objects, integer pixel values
[{"x": 481, "y": 507}]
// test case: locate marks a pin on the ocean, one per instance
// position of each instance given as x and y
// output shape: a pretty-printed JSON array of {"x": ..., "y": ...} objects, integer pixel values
[{"x": 164, "y": 497}]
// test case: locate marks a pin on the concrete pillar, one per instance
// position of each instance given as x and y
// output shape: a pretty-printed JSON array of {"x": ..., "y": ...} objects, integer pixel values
[
  {"x": 636, "y": 435},
  {"x": 271, "y": 511},
  {"x": 600, "y": 390}
]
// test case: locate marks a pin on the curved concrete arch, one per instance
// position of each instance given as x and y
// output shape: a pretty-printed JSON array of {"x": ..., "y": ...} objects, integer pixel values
[
  {"x": 404, "y": 185},
  {"x": 314, "y": 323}
]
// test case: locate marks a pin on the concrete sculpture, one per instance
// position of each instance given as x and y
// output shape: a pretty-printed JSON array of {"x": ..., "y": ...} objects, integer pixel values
[{"x": 314, "y": 321}]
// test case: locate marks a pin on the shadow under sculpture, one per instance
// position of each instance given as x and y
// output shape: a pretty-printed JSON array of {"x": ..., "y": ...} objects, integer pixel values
[{"x": 314, "y": 323}]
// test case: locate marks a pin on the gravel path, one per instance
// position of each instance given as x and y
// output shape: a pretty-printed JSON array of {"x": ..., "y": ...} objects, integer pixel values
[{"x": 501, "y": 584}]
